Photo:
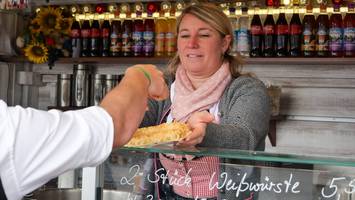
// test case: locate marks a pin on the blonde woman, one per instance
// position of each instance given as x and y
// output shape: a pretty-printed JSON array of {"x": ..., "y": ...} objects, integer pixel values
[{"x": 224, "y": 108}]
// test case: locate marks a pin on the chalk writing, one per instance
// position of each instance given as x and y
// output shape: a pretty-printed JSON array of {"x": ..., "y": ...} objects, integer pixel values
[
  {"x": 333, "y": 191},
  {"x": 133, "y": 172},
  {"x": 237, "y": 183},
  {"x": 173, "y": 180},
  {"x": 243, "y": 185}
]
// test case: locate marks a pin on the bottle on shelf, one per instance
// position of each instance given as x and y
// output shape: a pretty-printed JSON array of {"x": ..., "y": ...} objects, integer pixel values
[
  {"x": 243, "y": 43},
  {"x": 256, "y": 34},
  {"x": 295, "y": 34},
  {"x": 161, "y": 27},
  {"x": 281, "y": 35},
  {"x": 95, "y": 39},
  {"x": 116, "y": 38},
  {"x": 149, "y": 34},
  {"x": 137, "y": 37},
  {"x": 234, "y": 21},
  {"x": 269, "y": 35},
  {"x": 127, "y": 27},
  {"x": 75, "y": 39},
  {"x": 308, "y": 33},
  {"x": 170, "y": 37},
  {"x": 138, "y": 30},
  {"x": 85, "y": 38},
  {"x": 105, "y": 38},
  {"x": 336, "y": 33},
  {"x": 322, "y": 32},
  {"x": 349, "y": 31}
]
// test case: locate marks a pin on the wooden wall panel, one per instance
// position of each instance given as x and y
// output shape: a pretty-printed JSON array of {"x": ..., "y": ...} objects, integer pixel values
[
  {"x": 317, "y": 137},
  {"x": 326, "y": 102},
  {"x": 299, "y": 71}
]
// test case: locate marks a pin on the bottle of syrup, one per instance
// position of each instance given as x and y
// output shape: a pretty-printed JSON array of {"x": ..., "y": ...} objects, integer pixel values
[
  {"x": 308, "y": 33},
  {"x": 349, "y": 31},
  {"x": 336, "y": 33},
  {"x": 322, "y": 32}
]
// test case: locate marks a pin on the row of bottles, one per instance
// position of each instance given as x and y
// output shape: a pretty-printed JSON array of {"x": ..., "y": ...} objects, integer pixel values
[
  {"x": 322, "y": 36},
  {"x": 127, "y": 38}
]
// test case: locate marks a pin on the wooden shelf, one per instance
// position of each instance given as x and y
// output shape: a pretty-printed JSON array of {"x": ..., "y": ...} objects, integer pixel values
[
  {"x": 115, "y": 60},
  {"x": 164, "y": 60},
  {"x": 301, "y": 61}
]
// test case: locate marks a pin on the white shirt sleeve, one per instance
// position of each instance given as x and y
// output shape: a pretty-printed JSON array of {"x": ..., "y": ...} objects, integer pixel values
[{"x": 36, "y": 146}]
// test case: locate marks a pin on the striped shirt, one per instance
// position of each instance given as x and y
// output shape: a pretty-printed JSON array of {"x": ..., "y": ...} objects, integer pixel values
[{"x": 197, "y": 174}]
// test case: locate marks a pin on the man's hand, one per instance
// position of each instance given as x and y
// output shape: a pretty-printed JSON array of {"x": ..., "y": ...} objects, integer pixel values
[
  {"x": 127, "y": 102},
  {"x": 157, "y": 88},
  {"x": 197, "y": 122}
]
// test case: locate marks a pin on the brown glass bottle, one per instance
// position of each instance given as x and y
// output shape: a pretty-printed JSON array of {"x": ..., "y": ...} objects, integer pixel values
[
  {"x": 256, "y": 32},
  {"x": 137, "y": 37},
  {"x": 281, "y": 36},
  {"x": 269, "y": 36},
  {"x": 349, "y": 31},
  {"x": 127, "y": 38},
  {"x": 105, "y": 38},
  {"x": 295, "y": 35},
  {"x": 322, "y": 35},
  {"x": 308, "y": 35},
  {"x": 336, "y": 33},
  {"x": 148, "y": 35},
  {"x": 116, "y": 38}
]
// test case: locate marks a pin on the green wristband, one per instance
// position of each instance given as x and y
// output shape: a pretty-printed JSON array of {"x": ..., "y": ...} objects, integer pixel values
[{"x": 146, "y": 74}]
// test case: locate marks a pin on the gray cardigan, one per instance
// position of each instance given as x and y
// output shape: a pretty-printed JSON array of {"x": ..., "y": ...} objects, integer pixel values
[{"x": 244, "y": 111}]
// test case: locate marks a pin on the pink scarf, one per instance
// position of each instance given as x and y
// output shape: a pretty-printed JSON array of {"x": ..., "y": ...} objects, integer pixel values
[{"x": 187, "y": 100}]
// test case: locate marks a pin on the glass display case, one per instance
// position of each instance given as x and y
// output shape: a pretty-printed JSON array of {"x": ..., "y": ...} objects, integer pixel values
[{"x": 137, "y": 173}]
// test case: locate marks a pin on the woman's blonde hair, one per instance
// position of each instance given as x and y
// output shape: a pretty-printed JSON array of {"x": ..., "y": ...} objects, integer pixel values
[{"x": 214, "y": 16}]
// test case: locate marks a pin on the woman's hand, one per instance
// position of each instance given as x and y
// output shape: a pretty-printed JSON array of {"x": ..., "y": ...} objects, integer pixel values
[{"x": 197, "y": 123}]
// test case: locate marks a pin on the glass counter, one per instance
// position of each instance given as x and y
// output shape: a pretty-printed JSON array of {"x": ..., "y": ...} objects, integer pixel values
[{"x": 138, "y": 173}]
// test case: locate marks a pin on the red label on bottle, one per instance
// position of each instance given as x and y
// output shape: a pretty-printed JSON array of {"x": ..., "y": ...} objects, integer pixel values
[
  {"x": 85, "y": 33},
  {"x": 269, "y": 29},
  {"x": 95, "y": 32},
  {"x": 281, "y": 29},
  {"x": 105, "y": 32},
  {"x": 75, "y": 33},
  {"x": 295, "y": 29},
  {"x": 256, "y": 30}
]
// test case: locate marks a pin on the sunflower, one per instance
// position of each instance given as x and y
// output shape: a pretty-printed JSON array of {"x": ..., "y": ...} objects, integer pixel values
[
  {"x": 37, "y": 53},
  {"x": 35, "y": 27},
  {"x": 65, "y": 25},
  {"x": 49, "y": 19}
]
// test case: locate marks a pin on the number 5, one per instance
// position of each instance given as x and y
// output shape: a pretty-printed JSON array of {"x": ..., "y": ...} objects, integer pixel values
[{"x": 332, "y": 185}]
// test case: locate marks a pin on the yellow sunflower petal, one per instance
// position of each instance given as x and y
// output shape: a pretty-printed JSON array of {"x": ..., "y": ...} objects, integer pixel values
[
  {"x": 36, "y": 53},
  {"x": 35, "y": 27},
  {"x": 49, "y": 19}
]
